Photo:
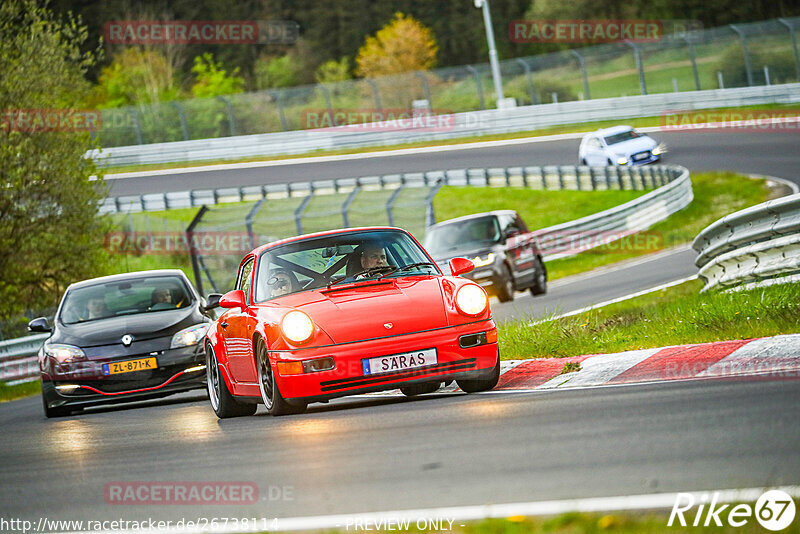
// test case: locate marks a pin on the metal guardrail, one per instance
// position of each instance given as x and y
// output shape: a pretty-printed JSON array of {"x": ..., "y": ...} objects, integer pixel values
[
  {"x": 473, "y": 123},
  {"x": 671, "y": 184},
  {"x": 18, "y": 360},
  {"x": 756, "y": 245}
]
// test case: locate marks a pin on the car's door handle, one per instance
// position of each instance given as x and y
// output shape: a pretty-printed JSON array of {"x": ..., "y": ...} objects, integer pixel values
[{"x": 223, "y": 324}]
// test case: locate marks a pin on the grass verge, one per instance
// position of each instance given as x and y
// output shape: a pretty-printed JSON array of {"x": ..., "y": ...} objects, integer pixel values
[
  {"x": 26, "y": 389},
  {"x": 673, "y": 316},
  {"x": 641, "y": 122}
]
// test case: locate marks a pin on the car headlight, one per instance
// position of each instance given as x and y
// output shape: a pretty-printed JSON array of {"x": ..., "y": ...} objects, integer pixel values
[
  {"x": 189, "y": 336},
  {"x": 660, "y": 149},
  {"x": 622, "y": 160},
  {"x": 471, "y": 300},
  {"x": 64, "y": 353},
  {"x": 297, "y": 326},
  {"x": 483, "y": 262}
]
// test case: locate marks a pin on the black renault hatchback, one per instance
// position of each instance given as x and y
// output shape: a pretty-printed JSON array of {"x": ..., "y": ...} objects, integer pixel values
[{"x": 123, "y": 337}]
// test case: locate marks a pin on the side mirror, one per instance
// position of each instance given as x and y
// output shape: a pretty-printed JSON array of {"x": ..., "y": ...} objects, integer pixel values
[
  {"x": 459, "y": 266},
  {"x": 232, "y": 299},
  {"x": 40, "y": 324},
  {"x": 212, "y": 301}
]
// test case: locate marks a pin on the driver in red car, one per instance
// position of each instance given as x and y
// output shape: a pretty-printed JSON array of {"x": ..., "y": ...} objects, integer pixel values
[{"x": 373, "y": 255}]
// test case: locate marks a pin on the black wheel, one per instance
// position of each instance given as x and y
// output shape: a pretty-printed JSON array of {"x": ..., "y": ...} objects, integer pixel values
[
  {"x": 420, "y": 389},
  {"x": 505, "y": 290},
  {"x": 222, "y": 402},
  {"x": 61, "y": 411},
  {"x": 270, "y": 394},
  {"x": 474, "y": 386},
  {"x": 539, "y": 286},
  {"x": 583, "y": 162},
  {"x": 610, "y": 163}
]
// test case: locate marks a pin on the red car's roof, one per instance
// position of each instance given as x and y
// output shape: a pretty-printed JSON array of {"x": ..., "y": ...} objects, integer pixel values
[{"x": 262, "y": 248}]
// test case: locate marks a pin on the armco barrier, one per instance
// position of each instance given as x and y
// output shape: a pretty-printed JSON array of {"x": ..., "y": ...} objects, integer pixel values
[
  {"x": 671, "y": 191},
  {"x": 760, "y": 244},
  {"x": 473, "y": 123},
  {"x": 18, "y": 361}
]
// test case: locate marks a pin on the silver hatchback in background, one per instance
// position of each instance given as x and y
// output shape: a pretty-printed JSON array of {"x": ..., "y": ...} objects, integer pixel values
[{"x": 619, "y": 145}]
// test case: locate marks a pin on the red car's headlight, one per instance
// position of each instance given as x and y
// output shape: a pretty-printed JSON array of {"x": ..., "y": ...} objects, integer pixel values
[
  {"x": 471, "y": 300},
  {"x": 297, "y": 327}
]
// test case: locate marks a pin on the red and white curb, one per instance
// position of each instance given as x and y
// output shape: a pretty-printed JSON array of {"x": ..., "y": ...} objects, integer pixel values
[{"x": 772, "y": 358}]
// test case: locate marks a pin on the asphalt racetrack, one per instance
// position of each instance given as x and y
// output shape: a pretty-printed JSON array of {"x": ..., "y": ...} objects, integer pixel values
[{"x": 379, "y": 453}]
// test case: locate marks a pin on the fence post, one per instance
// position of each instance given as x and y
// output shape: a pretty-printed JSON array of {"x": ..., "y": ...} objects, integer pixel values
[
  {"x": 478, "y": 85},
  {"x": 248, "y": 221},
  {"x": 376, "y": 94},
  {"x": 231, "y": 120},
  {"x": 327, "y": 95},
  {"x": 693, "y": 58},
  {"x": 425, "y": 87},
  {"x": 182, "y": 118},
  {"x": 346, "y": 205},
  {"x": 198, "y": 278},
  {"x": 529, "y": 79},
  {"x": 137, "y": 125},
  {"x": 637, "y": 56},
  {"x": 582, "y": 65},
  {"x": 745, "y": 52},
  {"x": 298, "y": 213},
  {"x": 278, "y": 97},
  {"x": 430, "y": 216},
  {"x": 391, "y": 201},
  {"x": 793, "y": 36}
]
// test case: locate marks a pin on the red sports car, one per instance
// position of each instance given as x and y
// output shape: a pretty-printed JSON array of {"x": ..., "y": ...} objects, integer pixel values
[{"x": 344, "y": 312}]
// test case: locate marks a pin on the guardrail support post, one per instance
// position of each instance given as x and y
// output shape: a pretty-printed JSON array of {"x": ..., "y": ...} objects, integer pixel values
[
  {"x": 529, "y": 80},
  {"x": 745, "y": 52},
  {"x": 793, "y": 36},
  {"x": 182, "y": 118},
  {"x": 193, "y": 254},
  {"x": 478, "y": 85},
  {"x": 582, "y": 65},
  {"x": 231, "y": 120}
]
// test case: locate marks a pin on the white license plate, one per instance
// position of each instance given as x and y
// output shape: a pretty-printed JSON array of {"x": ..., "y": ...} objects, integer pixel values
[
  {"x": 637, "y": 157},
  {"x": 399, "y": 362}
]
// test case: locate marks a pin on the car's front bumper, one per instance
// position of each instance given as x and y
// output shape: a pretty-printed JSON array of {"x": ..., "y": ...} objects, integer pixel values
[{"x": 348, "y": 378}]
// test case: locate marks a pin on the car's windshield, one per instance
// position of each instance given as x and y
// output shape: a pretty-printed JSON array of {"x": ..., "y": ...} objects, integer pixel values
[
  {"x": 461, "y": 235},
  {"x": 319, "y": 262},
  {"x": 621, "y": 137},
  {"x": 124, "y": 297}
]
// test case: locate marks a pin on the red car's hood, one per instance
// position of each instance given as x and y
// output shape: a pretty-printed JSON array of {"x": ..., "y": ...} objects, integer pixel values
[{"x": 378, "y": 309}]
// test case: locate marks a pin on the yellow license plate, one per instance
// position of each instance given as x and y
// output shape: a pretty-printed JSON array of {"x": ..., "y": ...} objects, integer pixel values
[{"x": 129, "y": 366}]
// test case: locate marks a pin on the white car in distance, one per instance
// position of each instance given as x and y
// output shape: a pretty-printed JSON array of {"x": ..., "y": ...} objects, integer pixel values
[{"x": 619, "y": 145}]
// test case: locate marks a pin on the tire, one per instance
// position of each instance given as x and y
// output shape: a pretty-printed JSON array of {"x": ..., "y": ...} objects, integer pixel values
[
  {"x": 475, "y": 386},
  {"x": 505, "y": 291},
  {"x": 270, "y": 394},
  {"x": 539, "y": 286},
  {"x": 61, "y": 411},
  {"x": 222, "y": 402},
  {"x": 583, "y": 162},
  {"x": 420, "y": 389}
]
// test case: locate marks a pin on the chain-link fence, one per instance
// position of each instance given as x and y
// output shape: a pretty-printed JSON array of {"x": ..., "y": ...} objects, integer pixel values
[{"x": 740, "y": 55}]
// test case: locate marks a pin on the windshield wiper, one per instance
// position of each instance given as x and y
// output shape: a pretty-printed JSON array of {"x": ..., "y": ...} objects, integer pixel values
[
  {"x": 371, "y": 270},
  {"x": 408, "y": 268}
]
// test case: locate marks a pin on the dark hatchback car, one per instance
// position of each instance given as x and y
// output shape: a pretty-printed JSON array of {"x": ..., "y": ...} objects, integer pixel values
[
  {"x": 123, "y": 337},
  {"x": 505, "y": 253}
]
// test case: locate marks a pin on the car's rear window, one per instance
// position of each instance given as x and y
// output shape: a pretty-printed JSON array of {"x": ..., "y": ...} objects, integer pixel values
[
  {"x": 462, "y": 235},
  {"x": 124, "y": 297}
]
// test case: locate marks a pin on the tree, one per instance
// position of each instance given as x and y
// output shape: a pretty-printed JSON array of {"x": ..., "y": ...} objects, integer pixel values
[
  {"x": 213, "y": 80},
  {"x": 50, "y": 232},
  {"x": 135, "y": 77},
  {"x": 403, "y": 45},
  {"x": 333, "y": 71}
]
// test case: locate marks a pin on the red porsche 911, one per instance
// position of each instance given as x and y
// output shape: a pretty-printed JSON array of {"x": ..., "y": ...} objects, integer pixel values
[{"x": 345, "y": 312}]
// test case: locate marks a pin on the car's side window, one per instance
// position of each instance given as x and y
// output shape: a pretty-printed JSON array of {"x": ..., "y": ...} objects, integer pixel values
[{"x": 245, "y": 279}]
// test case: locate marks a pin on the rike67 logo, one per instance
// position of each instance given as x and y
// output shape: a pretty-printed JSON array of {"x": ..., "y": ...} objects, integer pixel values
[{"x": 774, "y": 510}]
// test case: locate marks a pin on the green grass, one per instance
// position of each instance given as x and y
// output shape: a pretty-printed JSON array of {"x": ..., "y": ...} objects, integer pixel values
[
  {"x": 716, "y": 194},
  {"x": 673, "y": 316},
  {"x": 26, "y": 389},
  {"x": 553, "y": 130}
]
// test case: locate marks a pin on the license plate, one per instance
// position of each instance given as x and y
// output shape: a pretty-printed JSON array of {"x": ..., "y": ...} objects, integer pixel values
[
  {"x": 129, "y": 366},
  {"x": 643, "y": 155},
  {"x": 399, "y": 362}
]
